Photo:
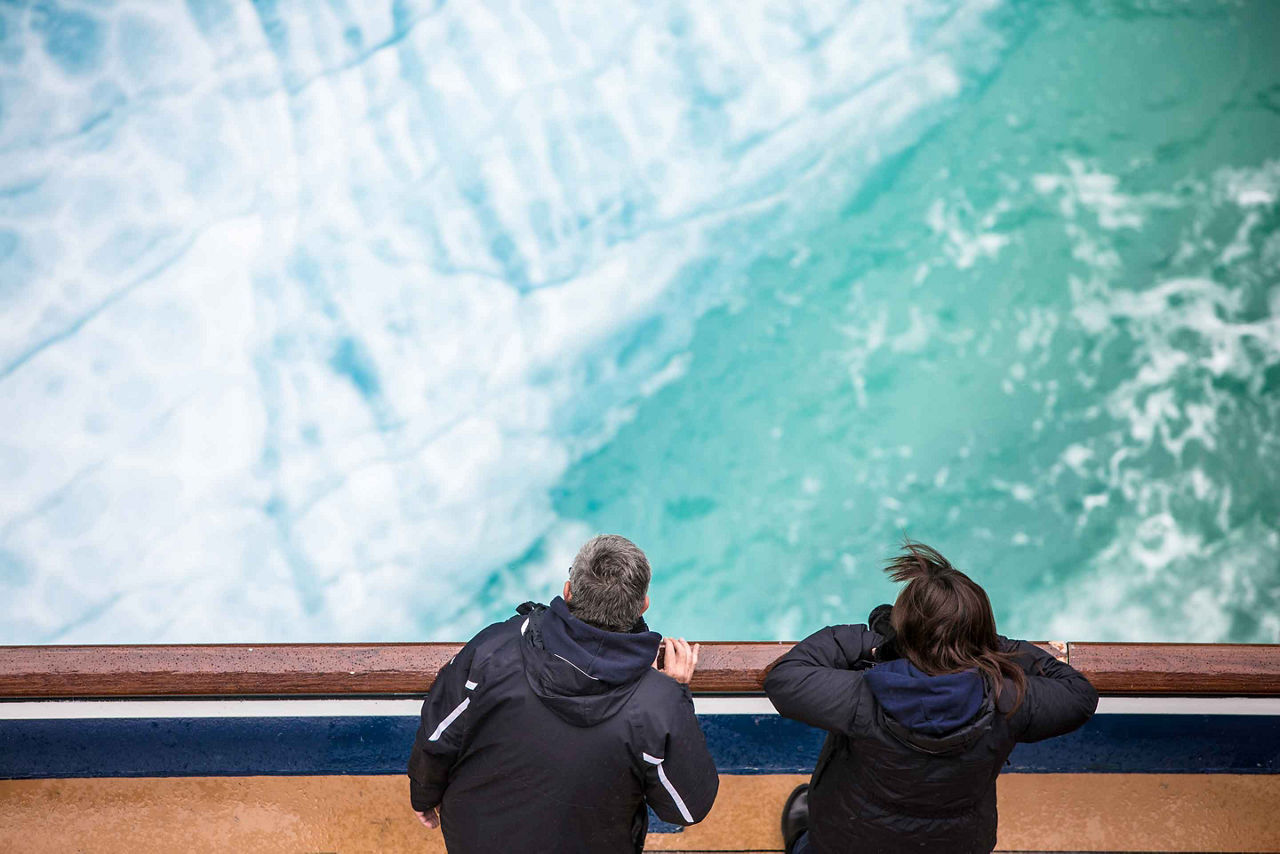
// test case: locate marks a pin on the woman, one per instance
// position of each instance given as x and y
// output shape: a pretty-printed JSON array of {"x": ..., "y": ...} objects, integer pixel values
[{"x": 921, "y": 714}]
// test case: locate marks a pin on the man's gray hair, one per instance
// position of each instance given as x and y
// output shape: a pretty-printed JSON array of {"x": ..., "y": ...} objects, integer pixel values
[{"x": 608, "y": 582}]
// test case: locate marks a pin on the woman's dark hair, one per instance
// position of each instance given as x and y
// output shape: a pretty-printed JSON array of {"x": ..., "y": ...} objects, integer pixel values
[{"x": 944, "y": 622}]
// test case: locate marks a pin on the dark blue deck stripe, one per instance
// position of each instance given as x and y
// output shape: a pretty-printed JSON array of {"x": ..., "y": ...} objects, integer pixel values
[{"x": 741, "y": 744}]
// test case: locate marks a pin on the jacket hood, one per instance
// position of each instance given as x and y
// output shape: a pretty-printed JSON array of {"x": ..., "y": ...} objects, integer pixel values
[
  {"x": 935, "y": 714},
  {"x": 582, "y": 673}
]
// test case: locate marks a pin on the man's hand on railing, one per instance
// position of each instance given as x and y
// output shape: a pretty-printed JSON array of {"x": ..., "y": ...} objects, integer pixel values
[{"x": 679, "y": 659}]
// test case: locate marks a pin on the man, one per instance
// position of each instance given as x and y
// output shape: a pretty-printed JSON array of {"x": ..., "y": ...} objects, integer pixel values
[{"x": 552, "y": 730}]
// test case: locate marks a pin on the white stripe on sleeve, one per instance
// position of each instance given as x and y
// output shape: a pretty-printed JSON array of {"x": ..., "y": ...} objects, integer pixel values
[
  {"x": 671, "y": 790},
  {"x": 453, "y": 716}
]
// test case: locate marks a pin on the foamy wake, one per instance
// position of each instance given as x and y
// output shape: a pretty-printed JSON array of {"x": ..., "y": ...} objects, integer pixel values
[
  {"x": 1189, "y": 462},
  {"x": 306, "y": 310}
]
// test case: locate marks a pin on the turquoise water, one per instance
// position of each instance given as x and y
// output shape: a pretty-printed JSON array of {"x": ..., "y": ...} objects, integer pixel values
[{"x": 324, "y": 323}]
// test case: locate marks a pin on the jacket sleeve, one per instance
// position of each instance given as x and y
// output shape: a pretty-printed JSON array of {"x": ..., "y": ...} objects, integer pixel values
[
  {"x": 443, "y": 731},
  {"x": 815, "y": 682},
  {"x": 680, "y": 777},
  {"x": 1059, "y": 698}
]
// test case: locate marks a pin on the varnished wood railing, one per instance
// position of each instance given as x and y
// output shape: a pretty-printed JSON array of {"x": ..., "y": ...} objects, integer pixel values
[{"x": 351, "y": 670}]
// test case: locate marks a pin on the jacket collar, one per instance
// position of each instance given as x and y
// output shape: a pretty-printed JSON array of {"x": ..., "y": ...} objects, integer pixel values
[
  {"x": 583, "y": 674},
  {"x": 614, "y": 658},
  {"x": 933, "y": 714}
]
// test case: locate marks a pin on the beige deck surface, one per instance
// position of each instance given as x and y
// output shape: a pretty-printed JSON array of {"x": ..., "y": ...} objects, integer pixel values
[{"x": 356, "y": 814}]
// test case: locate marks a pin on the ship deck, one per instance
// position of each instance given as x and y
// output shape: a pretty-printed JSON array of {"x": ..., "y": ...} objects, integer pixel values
[{"x": 301, "y": 748}]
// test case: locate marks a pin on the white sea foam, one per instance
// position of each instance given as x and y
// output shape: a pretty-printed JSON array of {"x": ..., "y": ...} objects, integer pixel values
[
  {"x": 969, "y": 237},
  {"x": 306, "y": 311},
  {"x": 1190, "y": 337}
]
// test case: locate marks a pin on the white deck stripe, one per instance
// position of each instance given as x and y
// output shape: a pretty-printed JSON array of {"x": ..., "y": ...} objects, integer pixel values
[
  {"x": 68, "y": 709},
  {"x": 1189, "y": 706},
  {"x": 74, "y": 709},
  {"x": 733, "y": 706},
  {"x": 671, "y": 790},
  {"x": 1106, "y": 706},
  {"x": 453, "y": 716}
]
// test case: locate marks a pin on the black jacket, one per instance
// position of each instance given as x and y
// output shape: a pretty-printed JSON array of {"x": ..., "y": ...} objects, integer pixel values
[
  {"x": 547, "y": 734},
  {"x": 910, "y": 761}
]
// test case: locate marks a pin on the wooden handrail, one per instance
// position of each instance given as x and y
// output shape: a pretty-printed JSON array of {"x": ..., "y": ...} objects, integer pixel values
[
  {"x": 1180, "y": 668},
  {"x": 269, "y": 670}
]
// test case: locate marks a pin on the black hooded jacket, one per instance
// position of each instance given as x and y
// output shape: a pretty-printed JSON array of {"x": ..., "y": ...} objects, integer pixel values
[
  {"x": 910, "y": 761},
  {"x": 547, "y": 734}
]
